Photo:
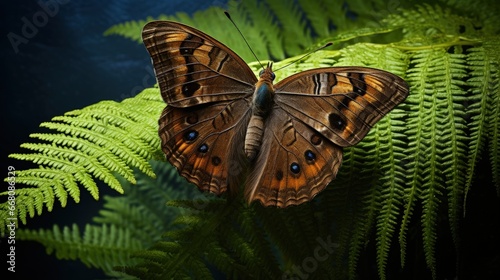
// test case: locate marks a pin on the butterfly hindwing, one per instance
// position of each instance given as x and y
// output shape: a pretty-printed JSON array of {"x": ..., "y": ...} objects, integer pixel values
[
  {"x": 294, "y": 164},
  {"x": 196, "y": 141}
]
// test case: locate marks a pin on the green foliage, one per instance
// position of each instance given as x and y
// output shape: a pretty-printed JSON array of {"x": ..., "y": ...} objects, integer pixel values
[
  {"x": 265, "y": 23},
  {"x": 125, "y": 225},
  {"x": 413, "y": 168},
  {"x": 98, "y": 142},
  {"x": 98, "y": 246}
]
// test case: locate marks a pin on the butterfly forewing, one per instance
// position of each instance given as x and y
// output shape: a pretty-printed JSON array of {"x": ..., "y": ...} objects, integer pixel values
[
  {"x": 193, "y": 68},
  {"x": 341, "y": 103},
  {"x": 208, "y": 89}
]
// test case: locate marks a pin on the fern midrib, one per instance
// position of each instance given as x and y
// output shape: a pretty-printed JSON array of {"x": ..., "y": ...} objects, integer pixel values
[
  {"x": 495, "y": 142},
  {"x": 454, "y": 190},
  {"x": 481, "y": 128},
  {"x": 387, "y": 226},
  {"x": 413, "y": 190},
  {"x": 385, "y": 230},
  {"x": 365, "y": 223},
  {"x": 429, "y": 207},
  {"x": 456, "y": 41}
]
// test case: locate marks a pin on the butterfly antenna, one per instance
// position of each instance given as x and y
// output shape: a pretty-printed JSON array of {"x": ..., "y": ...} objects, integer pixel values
[
  {"x": 244, "y": 39},
  {"x": 305, "y": 55}
]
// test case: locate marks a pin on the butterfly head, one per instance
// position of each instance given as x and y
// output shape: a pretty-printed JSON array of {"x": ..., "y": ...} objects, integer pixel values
[{"x": 267, "y": 73}]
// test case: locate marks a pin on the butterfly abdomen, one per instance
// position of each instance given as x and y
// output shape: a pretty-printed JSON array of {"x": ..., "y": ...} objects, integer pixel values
[{"x": 253, "y": 138}]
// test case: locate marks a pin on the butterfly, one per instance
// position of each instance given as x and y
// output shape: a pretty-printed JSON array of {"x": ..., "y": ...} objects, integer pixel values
[{"x": 223, "y": 127}]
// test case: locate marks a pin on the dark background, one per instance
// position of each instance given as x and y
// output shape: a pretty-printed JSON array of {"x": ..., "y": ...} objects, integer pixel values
[{"x": 67, "y": 64}]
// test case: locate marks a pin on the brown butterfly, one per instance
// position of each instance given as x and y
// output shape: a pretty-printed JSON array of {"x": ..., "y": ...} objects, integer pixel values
[{"x": 223, "y": 124}]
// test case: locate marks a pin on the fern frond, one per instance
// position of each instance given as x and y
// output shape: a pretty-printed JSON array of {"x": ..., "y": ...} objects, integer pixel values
[
  {"x": 263, "y": 247},
  {"x": 92, "y": 159},
  {"x": 387, "y": 131},
  {"x": 491, "y": 52},
  {"x": 480, "y": 81},
  {"x": 365, "y": 163},
  {"x": 360, "y": 232},
  {"x": 375, "y": 55},
  {"x": 130, "y": 30},
  {"x": 432, "y": 24},
  {"x": 102, "y": 247},
  {"x": 431, "y": 201},
  {"x": 122, "y": 212},
  {"x": 126, "y": 224},
  {"x": 53, "y": 184},
  {"x": 101, "y": 141},
  {"x": 440, "y": 142},
  {"x": 315, "y": 11},
  {"x": 271, "y": 37},
  {"x": 495, "y": 137},
  {"x": 424, "y": 164},
  {"x": 255, "y": 36},
  {"x": 386, "y": 224},
  {"x": 280, "y": 228},
  {"x": 293, "y": 24}
]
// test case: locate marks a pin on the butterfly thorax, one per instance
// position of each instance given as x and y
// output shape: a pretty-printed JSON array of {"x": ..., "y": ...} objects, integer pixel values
[{"x": 263, "y": 100}]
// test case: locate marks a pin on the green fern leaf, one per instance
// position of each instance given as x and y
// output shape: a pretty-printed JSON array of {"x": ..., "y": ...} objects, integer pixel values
[
  {"x": 266, "y": 42},
  {"x": 126, "y": 224},
  {"x": 102, "y": 247},
  {"x": 315, "y": 11},
  {"x": 386, "y": 225},
  {"x": 101, "y": 141},
  {"x": 291, "y": 18},
  {"x": 482, "y": 77},
  {"x": 130, "y": 30},
  {"x": 493, "y": 65}
]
